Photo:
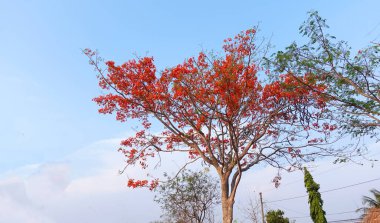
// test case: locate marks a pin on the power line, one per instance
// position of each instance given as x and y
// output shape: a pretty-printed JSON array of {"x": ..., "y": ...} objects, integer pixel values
[
  {"x": 285, "y": 199},
  {"x": 288, "y": 209},
  {"x": 352, "y": 185},
  {"x": 337, "y": 213},
  {"x": 339, "y": 188},
  {"x": 345, "y": 220},
  {"x": 317, "y": 174},
  {"x": 344, "y": 212}
]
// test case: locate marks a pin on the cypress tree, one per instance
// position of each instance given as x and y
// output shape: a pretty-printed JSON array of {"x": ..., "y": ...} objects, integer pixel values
[{"x": 315, "y": 201}]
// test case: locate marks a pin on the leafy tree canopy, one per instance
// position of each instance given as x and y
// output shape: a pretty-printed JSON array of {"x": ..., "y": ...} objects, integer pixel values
[
  {"x": 276, "y": 216},
  {"x": 189, "y": 198},
  {"x": 351, "y": 78}
]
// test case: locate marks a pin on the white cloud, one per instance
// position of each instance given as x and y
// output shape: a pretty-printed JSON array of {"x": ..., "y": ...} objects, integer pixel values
[
  {"x": 15, "y": 205},
  {"x": 48, "y": 183},
  {"x": 84, "y": 187},
  {"x": 104, "y": 182}
]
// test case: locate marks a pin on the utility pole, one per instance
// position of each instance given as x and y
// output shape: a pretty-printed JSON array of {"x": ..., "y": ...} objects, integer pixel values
[{"x": 262, "y": 207}]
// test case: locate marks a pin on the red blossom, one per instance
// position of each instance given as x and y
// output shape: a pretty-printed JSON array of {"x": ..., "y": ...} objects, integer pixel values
[{"x": 211, "y": 107}]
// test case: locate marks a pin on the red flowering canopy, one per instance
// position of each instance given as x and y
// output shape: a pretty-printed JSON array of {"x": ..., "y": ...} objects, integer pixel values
[{"x": 216, "y": 109}]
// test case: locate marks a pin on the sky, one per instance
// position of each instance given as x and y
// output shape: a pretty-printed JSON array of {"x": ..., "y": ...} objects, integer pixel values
[{"x": 59, "y": 159}]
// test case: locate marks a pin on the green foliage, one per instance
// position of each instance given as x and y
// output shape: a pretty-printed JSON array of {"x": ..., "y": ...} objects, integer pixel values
[
  {"x": 370, "y": 202},
  {"x": 189, "y": 197},
  {"x": 352, "y": 79},
  {"x": 315, "y": 201},
  {"x": 277, "y": 216}
]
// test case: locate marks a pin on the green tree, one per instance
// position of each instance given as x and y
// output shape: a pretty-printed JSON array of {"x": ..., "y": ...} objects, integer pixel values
[
  {"x": 370, "y": 202},
  {"x": 352, "y": 79},
  {"x": 188, "y": 198},
  {"x": 315, "y": 200},
  {"x": 277, "y": 216}
]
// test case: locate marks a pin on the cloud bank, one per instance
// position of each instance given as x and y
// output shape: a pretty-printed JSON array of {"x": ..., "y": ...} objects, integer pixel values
[{"x": 83, "y": 187}]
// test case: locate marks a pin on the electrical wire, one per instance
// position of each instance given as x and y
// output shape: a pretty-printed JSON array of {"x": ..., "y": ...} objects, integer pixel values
[
  {"x": 288, "y": 209},
  {"x": 337, "y": 213},
  {"x": 335, "y": 189},
  {"x": 346, "y": 220},
  {"x": 318, "y": 174},
  {"x": 301, "y": 179}
]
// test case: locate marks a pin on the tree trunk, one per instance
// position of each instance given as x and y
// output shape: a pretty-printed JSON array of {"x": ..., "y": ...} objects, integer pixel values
[
  {"x": 227, "y": 210},
  {"x": 227, "y": 202}
]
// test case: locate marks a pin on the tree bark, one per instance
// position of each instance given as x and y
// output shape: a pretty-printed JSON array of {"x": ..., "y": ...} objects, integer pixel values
[
  {"x": 227, "y": 201},
  {"x": 227, "y": 210}
]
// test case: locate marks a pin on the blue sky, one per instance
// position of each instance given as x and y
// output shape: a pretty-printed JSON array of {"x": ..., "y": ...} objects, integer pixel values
[{"x": 48, "y": 120}]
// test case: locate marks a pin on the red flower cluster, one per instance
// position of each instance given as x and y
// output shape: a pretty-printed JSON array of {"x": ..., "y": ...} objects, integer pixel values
[{"x": 211, "y": 107}]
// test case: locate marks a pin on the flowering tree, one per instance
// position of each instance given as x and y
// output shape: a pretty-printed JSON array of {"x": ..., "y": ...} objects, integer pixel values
[{"x": 217, "y": 109}]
